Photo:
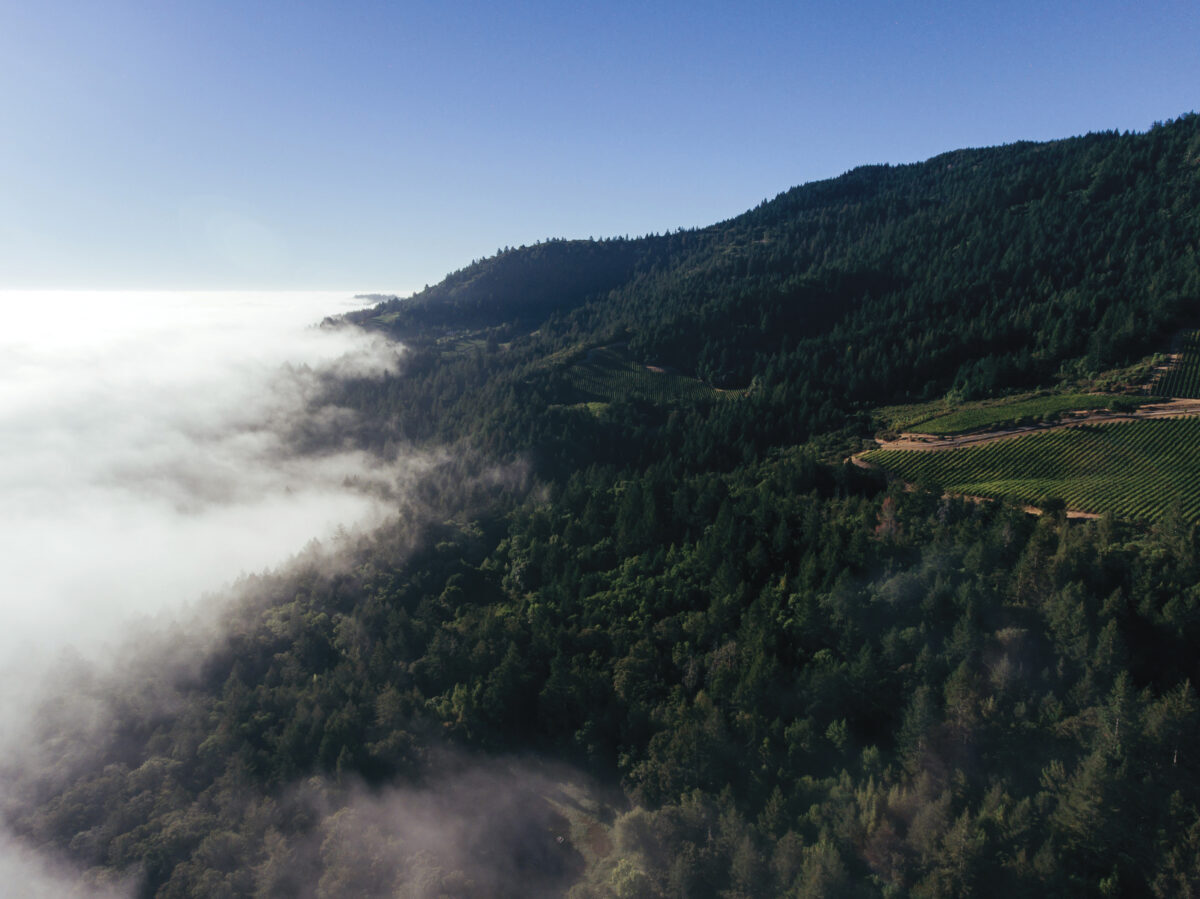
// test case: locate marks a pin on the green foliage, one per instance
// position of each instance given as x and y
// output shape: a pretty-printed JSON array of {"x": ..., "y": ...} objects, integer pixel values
[
  {"x": 606, "y": 373},
  {"x": 1141, "y": 470}
]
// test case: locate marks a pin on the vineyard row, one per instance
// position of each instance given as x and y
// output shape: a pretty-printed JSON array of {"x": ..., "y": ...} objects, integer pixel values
[{"x": 1137, "y": 470}]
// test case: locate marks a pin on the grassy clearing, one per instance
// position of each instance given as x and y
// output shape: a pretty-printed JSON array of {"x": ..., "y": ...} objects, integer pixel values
[
  {"x": 595, "y": 409},
  {"x": 902, "y": 418},
  {"x": 1135, "y": 469},
  {"x": 607, "y": 374},
  {"x": 1119, "y": 380},
  {"x": 1076, "y": 390}
]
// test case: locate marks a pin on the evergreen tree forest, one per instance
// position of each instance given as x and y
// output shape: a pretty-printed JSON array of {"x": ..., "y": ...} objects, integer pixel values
[{"x": 774, "y": 673}]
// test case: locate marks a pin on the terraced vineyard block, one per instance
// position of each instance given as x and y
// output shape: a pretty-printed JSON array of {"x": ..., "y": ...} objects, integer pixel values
[{"x": 1136, "y": 469}]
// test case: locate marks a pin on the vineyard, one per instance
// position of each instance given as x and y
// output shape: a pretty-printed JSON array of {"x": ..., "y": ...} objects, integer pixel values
[
  {"x": 1024, "y": 411},
  {"x": 1137, "y": 469},
  {"x": 1182, "y": 379},
  {"x": 606, "y": 374}
]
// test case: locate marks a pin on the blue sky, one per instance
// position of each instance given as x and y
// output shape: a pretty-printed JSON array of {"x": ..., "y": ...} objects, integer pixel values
[{"x": 376, "y": 146}]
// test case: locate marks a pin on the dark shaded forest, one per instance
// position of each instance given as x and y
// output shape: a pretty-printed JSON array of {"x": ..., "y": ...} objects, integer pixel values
[{"x": 785, "y": 675}]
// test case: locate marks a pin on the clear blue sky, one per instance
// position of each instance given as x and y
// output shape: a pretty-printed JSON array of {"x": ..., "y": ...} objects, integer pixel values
[{"x": 375, "y": 146}]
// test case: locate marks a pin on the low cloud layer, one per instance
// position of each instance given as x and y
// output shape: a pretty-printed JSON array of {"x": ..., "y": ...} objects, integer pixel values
[{"x": 144, "y": 451}]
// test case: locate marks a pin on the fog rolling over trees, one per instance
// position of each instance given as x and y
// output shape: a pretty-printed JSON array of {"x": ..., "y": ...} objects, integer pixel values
[
  {"x": 153, "y": 448},
  {"x": 161, "y": 450}
]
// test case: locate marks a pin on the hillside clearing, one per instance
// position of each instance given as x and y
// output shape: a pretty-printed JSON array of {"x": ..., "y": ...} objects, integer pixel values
[{"x": 607, "y": 374}]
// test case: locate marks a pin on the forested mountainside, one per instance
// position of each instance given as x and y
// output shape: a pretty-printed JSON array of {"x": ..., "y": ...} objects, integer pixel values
[
  {"x": 982, "y": 267},
  {"x": 707, "y": 656}
]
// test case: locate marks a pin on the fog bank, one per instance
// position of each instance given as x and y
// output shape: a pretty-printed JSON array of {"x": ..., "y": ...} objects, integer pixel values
[{"x": 145, "y": 456}]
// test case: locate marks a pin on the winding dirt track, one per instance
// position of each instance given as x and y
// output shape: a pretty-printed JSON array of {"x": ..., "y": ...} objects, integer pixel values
[{"x": 1181, "y": 408}]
